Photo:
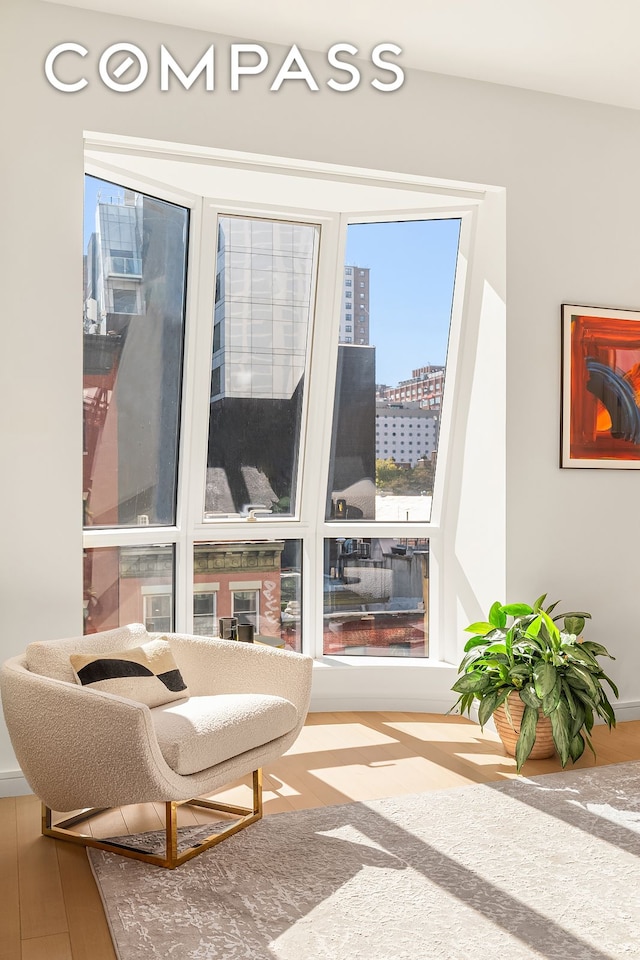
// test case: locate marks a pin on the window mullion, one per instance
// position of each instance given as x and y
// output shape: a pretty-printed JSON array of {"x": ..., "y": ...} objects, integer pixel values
[
  {"x": 441, "y": 488},
  {"x": 316, "y": 449},
  {"x": 198, "y": 371},
  {"x": 195, "y": 408}
]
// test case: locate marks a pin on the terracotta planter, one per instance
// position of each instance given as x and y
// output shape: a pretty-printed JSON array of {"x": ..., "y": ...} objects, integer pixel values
[{"x": 543, "y": 746}]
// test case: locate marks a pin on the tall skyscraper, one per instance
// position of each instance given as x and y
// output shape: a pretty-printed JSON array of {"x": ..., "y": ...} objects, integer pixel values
[
  {"x": 114, "y": 264},
  {"x": 354, "y": 312}
]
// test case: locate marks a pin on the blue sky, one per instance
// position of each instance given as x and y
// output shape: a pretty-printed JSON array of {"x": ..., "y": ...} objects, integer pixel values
[{"x": 412, "y": 267}]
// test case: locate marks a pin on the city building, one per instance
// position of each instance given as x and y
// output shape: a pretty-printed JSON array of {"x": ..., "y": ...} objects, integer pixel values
[
  {"x": 239, "y": 580},
  {"x": 353, "y": 468},
  {"x": 114, "y": 264},
  {"x": 354, "y": 311},
  {"x": 425, "y": 386},
  {"x": 405, "y": 432}
]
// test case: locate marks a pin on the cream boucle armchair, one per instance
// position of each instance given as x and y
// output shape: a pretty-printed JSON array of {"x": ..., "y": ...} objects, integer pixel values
[{"x": 84, "y": 748}]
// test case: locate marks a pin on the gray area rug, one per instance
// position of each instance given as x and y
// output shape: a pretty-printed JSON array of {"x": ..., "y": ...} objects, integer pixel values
[{"x": 544, "y": 867}]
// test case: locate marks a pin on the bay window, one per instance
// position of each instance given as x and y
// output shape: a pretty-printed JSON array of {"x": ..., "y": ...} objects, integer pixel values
[{"x": 231, "y": 462}]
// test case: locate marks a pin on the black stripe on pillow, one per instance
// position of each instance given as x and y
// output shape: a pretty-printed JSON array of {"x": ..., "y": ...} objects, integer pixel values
[
  {"x": 106, "y": 669},
  {"x": 172, "y": 680}
]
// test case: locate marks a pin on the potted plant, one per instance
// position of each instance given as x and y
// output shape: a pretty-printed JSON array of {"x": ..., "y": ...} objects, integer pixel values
[{"x": 524, "y": 661}]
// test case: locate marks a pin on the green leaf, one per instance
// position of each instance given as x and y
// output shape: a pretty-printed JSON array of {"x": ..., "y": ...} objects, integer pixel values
[
  {"x": 538, "y": 603},
  {"x": 561, "y": 729},
  {"x": 597, "y": 649},
  {"x": 481, "y": 627},
  {"x": 497, "y": 616},
  {"x": 588, "y": 718},
  {"x": 507, "y": 713},
  {"x": 520, "y": 670},
  {"x": 498, "y": 665},
  {"x": 578, "y": 720},
  {"x": 470, "y": 658},
  {"x": 473, "y": 682},
  {"x": 607, "y": 713},
  {"x": 503, "y": 693},
  {"x": 552, "y": 630},
  {"x": 580, "y": 678},
  {"x": 574, "y": 613},
  {"x": 474, "y": 642},
  {"x": 552, "y": 699},
  {"x": 486, "y": 708},
  {"x": 533, "y": 628},
  {"x": 612, "y": 685},
  {"x": 508, "y": 642},
  {"x": 574, "y": 625},
  {"x": 527, "y": 735},
  {"x": 544, "y": 678},
  {"x": 498, "y": 647},
  {"x": 576, "y": 747},
  {"x": 586, "y": 700},
  {"x": 589, "y": 742},
  {"x": 552, "y": 607},
  {"x": 517, "y": 609},
  {"x": 575, "y": 652},
  {"x": 566, "y": 690},
  {"x": 529, "y": 696}
]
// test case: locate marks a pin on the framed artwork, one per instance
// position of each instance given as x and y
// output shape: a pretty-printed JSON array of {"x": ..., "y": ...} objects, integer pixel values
[{"x": 600, "y": 388}]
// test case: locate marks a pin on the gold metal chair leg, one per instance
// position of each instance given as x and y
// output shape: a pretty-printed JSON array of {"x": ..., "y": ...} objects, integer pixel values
[
  {"x": 172, "y": 858},
  {"x": 171, "y": 830}
]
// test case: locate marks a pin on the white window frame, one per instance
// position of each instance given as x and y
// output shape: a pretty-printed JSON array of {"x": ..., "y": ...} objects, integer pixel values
[{"x": 309, "y": 526}]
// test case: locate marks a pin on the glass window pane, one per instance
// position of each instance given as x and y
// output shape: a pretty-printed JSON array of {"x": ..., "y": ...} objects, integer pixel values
[
  {"x": 264, "y": 302},
  {"x": 134, "y": 293},
  {"x": 376, "y": 597},
  {"x": 257, "y": 582},
  {"x": 128, "y": 585},
  {"x": 393, "y": 377},
  {"x": 245, "y": 607},
  {"x": 204, "y": 614},
  {"x": 157, "y": 611}
]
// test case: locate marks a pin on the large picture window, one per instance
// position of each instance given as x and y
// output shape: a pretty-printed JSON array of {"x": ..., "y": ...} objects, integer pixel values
[
  {"x": 133, "y": 323},
  {"x": 376, "y": 596},
  {"x": 132, "y": 584},
  {"x": 390, "y": 385},
  {"x": 264, "y": 298},
  {"x": 289, "y": 447},
  {"x": 257, "y": 582}
]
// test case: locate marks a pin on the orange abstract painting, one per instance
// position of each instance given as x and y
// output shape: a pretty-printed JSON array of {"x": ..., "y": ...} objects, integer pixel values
[{"x": 601, "y": 387}]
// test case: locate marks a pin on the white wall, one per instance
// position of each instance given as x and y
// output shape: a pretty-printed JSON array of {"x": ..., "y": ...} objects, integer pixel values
[{"x": 570, "y": 169}]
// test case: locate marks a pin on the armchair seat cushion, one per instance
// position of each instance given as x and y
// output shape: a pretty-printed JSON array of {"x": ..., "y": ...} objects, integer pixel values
[{"x": 200, "y": 732}]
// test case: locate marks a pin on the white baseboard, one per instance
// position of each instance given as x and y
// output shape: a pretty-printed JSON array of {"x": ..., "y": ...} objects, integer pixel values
[
  {"x": 13, "y": 784},
  {"x": 367, "y": 704},
  {"x": 627, "y": 710}
]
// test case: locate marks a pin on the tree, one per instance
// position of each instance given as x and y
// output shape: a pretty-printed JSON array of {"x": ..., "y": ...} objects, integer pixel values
[{"x": 404, "y": 481}]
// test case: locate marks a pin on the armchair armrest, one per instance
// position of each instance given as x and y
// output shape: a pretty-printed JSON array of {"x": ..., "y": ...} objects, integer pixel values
[
  {"x": 79, "y": 747},
  {"x": 210, "y": 665}
]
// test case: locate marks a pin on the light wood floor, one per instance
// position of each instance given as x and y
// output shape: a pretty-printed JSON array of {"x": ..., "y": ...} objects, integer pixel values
[{"x": 50, "y": 908}]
